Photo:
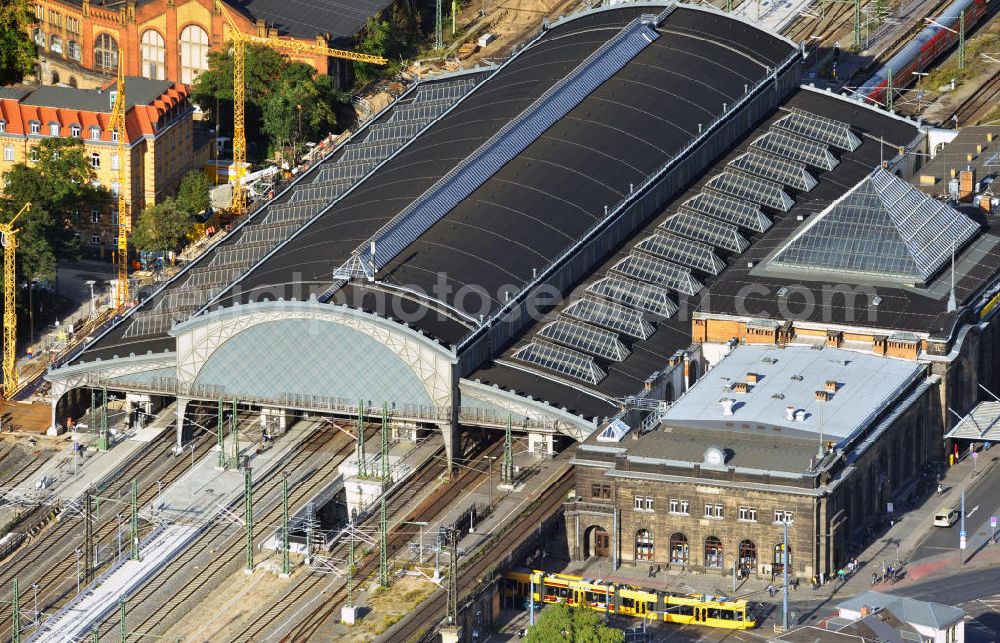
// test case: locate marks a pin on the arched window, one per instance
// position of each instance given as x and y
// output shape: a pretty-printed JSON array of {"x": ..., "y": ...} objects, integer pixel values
[
  {"x": 73, "y": 49},
  {"x": 679, "y": 550},
  {"x": 713, "y": 552},
  {"x": 194, "y": 52},
  {"x": 779, "y": 562},
  {"x": 105, "y": 52},
  {"x": 643, "y": 545},
  {"x": 39, "y": 37},
  {"x": 153, "y": 54},
  {"x": 55, "y": 78},
  {"x": 72, "y": 81},
  {"x": 55, "y": 44},
  {"x": 748, "y": 555}
]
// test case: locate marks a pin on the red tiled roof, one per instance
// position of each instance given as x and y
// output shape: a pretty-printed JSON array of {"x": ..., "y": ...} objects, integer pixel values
[{"x": 140, "y": 120}]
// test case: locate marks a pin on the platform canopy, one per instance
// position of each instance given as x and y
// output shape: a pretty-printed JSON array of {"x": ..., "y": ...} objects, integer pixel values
[{"x": 982, "y": 424}]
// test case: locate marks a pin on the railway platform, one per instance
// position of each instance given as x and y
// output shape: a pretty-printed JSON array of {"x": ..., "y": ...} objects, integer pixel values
[
  {"x": 191, "y": 504},
  {"x": 70, "y": 473},
  {"x": 773, "y": 14}
]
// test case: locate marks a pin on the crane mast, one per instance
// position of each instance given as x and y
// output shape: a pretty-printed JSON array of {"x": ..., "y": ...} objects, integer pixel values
[
  {"x": 8, "y": 238},
  {"x": 118, "y": 123},
  {"x": 240, "y": 40}
]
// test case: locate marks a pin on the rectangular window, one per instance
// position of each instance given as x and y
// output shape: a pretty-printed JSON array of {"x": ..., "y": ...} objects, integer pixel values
[
  {"x": 33, "y": 154},
  {"x": 114, "y": 135},
  {"x": 595, "y": 491},
  {"x": 3, "y": 126},
  {"x": 74, "y": 131},
  {"x": 748, "y": 514},
  {"x": 114, "y": 161},
  {"x": 674, "y": 506},
  {"x": 708, "y": 510},
  {"x": 39, "y": 12},
  {"x": 718, "y": 511},
  {"x": 115, "y": 189},
  {"x": 606, "y": 491},
  {"x": 781, "y": 515},
  {"x": 684, "y": 507},
  {"x": 8, "y": 152},
  {"x": 649, "y": 503},
  {"x": 95, "y": 160},
  {"x": 95, "y": 239},
  {"x": 53, "y": 129},
  {"x": 36, "y": 127},
  {"x": 95, "y": 216},
  {"x": 95, "y": 133}
]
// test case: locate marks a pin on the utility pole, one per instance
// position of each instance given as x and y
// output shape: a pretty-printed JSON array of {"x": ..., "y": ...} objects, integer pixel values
[
  {"x": 888, "y": 90},
  {"x": 88, "y": 534},
  {"x": 234, "y": 437},
  {"x": 961, "y": 533},
  {"x": 386, "y": 479},
  {"x": 122, "y": 632},
  {"x": 784, "y": 571},
  {"x": 857, "y": 25},
  {"x": 383, "y": 554},
  {"x": 220, "y": 436},
  {"x": 508, "y": 456},
  {"x": 248, "y": 515},
  {"x": 350, "y": 571},
  {"x": 15, "y": 628},
  {"x": 453, "y": 578},
  {"x": 286, "y": 567},
  {"x": 102, "y": 440},
  {"x": 438, "y": 36},
  {"x": 134, "y": 536},
  {"x": 362, "y": 464},
  {"x": 961, "y": 40}
]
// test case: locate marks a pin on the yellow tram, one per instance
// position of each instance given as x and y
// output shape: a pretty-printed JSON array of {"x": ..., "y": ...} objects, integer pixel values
[{"x": 652, "y": 604}]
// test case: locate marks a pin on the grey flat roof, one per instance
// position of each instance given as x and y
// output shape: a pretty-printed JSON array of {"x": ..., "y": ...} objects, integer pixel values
[
  {"x": 954, "y": 156},
  {"x": 908, "y": 610},
  {"x": 790, "y": 376}
]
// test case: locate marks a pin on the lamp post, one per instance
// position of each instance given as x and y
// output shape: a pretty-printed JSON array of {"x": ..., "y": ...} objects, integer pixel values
[{"x": 93, "y": 308}]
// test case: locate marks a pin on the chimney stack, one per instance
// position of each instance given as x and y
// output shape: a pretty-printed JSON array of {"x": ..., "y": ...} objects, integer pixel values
[
  {"x": 831, "y": 386},
  {"x": 800, "y": 416},
  {"x": 790, "y": 412},
  {"x": 741, "y": 387},
  {"x": 823, "y": 396},
  {"x": 727, "y": 406},
  {"x": 752, "y": 378}
]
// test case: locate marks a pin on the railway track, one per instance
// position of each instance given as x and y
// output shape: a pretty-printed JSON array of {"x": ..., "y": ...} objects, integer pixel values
[
  {"x": 423, "y": 619},
  {"x": 233, "y": 548},
  {"x": 23, "y": 474},
  {"x": 980, "y": 102},
  {"x": 427, "y": 511},
  {"x": 55, "y": 555}
]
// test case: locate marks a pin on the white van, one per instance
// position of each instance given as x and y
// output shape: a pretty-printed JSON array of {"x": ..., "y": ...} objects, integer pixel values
[{"x": 945, "y": 517}]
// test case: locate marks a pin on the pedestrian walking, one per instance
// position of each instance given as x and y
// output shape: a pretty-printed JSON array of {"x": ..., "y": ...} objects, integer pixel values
[
  {"x": 771, "y": 590},
  {"x": 874, "y": 578}
]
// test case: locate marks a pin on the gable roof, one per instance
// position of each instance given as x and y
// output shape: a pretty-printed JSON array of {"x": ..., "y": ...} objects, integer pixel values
[
  {"x": 882, "y": 228},
  {"x": 908, "y": 610}
]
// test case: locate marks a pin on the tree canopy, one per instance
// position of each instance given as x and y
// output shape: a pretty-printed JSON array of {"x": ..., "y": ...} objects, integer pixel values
[
  {"x": 59, "y": 186},
  {"x": 275, "y": 87},
  {"x": 395, "y": 37},
  {"x": 561, "y": 622},
  {"x": 192, "y": 195},
  {"x": 17, "y": 50},
  {"x": 163, "y": 226}
]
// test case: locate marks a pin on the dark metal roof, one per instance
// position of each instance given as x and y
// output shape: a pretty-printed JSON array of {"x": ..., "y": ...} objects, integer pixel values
[
  {"x": 305, "y": 19},
  {"x": 139, "y": 91}
]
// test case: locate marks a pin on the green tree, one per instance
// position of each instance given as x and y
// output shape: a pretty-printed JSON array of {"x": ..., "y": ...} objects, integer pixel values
[
  {"x": 17, "y": 50},
  {"x": 59, "y": 186},
  {"x": 163, "y": 226},
  {"x": 274, "y": 86},
  {"x": 192, "y": 196},
  {"x": 560, "y": 622}
]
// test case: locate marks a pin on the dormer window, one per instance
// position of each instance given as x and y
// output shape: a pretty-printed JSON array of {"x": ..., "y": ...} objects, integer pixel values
[
  {"x": 53, "y": 129},
  {"x": 95, "y": 133},
  {"x": 113, "y": 96},
  {"x": 3, "y": 126},
  {"x": 36, "y": 127},
  {"x": 74, "y": 131},
  {"x": 114, "y": 135}
]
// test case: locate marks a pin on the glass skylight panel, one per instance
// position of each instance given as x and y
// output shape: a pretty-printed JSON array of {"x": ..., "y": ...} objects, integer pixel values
[
  {"x": 609, "y": 315},
  {"x": 659, "y": 272},
  {"x": 796, "y": 148},
  {"x": 742, "y": 213},
  {"x": 561, "y": 360},
  {"x": 585, "y": 337},
  {"x": 637, "y": 294},
  {"x": 753, "y": 189},
  {"x": 686, "y": 252},
  {"x": 822, "y": 129},
  {"x": 706, "y": 229},
  {"x": 775, "y": 168}
]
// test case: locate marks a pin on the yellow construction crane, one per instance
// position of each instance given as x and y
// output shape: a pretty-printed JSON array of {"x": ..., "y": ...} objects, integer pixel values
[
  {"x": 240, "y": 39},
  {"x": 8, "y": 237},
  {"x": 118, "y": 124}
]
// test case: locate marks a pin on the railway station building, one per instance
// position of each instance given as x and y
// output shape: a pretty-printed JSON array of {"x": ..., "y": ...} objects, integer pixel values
[{"x": 551, "y": 243}]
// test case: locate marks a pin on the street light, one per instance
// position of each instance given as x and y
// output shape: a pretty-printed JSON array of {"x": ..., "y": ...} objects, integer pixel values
[{"x": 93, "y": 308}]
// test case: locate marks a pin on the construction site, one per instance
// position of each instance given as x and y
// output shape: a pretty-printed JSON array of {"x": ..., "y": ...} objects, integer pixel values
[{"x": 480, "y": 330}]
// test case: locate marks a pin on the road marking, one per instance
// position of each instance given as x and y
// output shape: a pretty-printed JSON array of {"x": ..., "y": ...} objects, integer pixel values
[{"x": 969, "y": 515}]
